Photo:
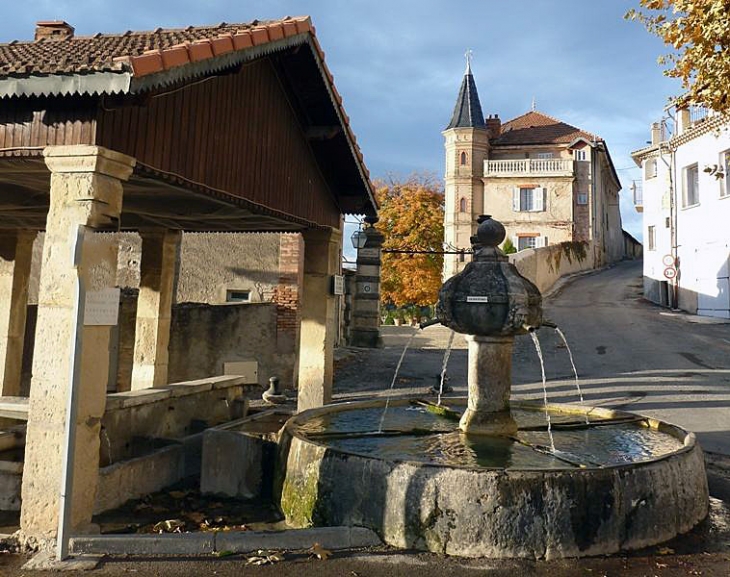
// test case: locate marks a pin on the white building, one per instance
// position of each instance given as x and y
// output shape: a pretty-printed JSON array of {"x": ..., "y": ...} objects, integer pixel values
[{"x": 685, "y": 202}]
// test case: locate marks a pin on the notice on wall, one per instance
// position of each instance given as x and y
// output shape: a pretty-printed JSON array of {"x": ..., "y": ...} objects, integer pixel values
[
  {"x": 102, "y": 307},
  {"x": 368, "y": 253},
  {"x": 338, "y": 284}
]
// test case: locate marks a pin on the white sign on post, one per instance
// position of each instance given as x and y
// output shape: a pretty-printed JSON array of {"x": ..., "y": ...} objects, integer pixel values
[
  {"x": 338, "y": 284},
  {"x": 102, "y": 307}
]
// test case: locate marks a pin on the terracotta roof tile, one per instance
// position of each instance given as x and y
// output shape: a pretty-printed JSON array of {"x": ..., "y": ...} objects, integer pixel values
[
  {"x": 114, "y": 52},
  {"x": 538, "y": 128}
]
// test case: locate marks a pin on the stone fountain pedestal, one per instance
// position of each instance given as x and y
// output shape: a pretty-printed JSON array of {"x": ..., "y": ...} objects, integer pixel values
[{"x": 489, "y": 381}]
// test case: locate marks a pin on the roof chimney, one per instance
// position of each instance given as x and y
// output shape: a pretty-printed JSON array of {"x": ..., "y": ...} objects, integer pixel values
[
  {"x": 53, "y": 30},
  {"x": 494, "y": 125}
]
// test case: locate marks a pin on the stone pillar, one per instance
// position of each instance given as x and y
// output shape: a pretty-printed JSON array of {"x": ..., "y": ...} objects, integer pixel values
[
  {"x": 86, "y": 189},
  {"x": 489, "y": 380},
  {"x": 318, "y": 317},
  {"x": 154, "y": 308},
  {"x": 366, "y": 316},
  {"x": 16, "y": 254}
]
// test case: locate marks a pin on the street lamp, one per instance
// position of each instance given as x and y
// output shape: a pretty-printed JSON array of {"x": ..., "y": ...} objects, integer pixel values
[{"x": 359, "y": 238}]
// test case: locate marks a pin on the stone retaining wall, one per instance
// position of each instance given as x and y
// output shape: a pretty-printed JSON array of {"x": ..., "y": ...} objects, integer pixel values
[{"x": 544, "y": 266}]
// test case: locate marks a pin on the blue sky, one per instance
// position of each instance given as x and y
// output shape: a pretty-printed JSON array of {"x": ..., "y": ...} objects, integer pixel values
[{"x": 398, "y": 64}]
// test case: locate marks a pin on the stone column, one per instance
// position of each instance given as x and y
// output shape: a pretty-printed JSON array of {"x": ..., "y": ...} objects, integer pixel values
[
  {"x": 318, "y": 317},
  {"x": 16, "y": 254},
  {"x": 86, "y": 189},
  {"x": 154, "y": 308},
  {"x": 366, "y": 315},
  {"x": 489, "y": 380}
]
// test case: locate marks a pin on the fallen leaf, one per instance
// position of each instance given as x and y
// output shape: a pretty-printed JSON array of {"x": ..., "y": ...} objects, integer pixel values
[
  {"x": 264, "y": 558},
  {"x": 665, "y": 551},
  {"x": 319, "y": 552},
  {"x": 169, "y": 526},
  {"x": 225, "y": 553},
  {"x": 177, "y": 494},
  {"x": 661, "y": 565}
]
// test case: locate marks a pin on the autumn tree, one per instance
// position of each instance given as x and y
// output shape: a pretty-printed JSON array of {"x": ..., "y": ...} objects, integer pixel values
[
  {"x": 699, "y": 33},
  {"x": 412, "y": 219}
]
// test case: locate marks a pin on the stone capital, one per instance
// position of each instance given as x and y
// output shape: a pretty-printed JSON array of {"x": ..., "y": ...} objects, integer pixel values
[{"x": 88, "y": 159}]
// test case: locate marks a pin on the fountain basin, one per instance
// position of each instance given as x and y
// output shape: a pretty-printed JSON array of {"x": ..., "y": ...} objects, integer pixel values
[{"x": 631, "y": 485}]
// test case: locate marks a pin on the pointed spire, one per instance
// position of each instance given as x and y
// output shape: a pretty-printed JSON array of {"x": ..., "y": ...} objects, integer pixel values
[
  {"x": 468, "y": 110},
  {"x": 533, "y": 104}
]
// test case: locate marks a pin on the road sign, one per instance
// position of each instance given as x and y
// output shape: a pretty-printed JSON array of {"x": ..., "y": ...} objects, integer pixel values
[
  {"x": 668, "y": 260},
  {"x": 670, "y": 272}
]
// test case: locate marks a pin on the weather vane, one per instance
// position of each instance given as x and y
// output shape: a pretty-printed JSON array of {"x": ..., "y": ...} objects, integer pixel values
[{"x": 468, "y": 54}]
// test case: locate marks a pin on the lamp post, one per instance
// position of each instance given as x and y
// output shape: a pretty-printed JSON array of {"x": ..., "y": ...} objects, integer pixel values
[{"x": 366, "y": 306}]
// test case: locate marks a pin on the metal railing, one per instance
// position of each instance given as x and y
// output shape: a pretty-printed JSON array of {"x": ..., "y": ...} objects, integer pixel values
[{"x": 546, "y": 166}]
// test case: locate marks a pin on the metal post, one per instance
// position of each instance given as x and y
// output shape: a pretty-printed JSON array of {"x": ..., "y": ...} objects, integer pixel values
[{"x": 69, "y": 448}]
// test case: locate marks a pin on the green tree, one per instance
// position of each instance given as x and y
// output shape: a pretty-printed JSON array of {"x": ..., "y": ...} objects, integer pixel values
[
  {"x": 699, "y": 33},
  {"x": 508, "y": 247},
  {"x": 412, "y": 219}
]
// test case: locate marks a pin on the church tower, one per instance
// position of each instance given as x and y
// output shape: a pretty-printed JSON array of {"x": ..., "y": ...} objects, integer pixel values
[{"x": 467, "y": 147}]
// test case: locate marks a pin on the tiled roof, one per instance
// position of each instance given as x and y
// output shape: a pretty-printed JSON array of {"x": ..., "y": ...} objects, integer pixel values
[
  {"x": 538, "y": 128},
  {"x": 468, "y": 109},
  {"x": 141, "y": 52}
]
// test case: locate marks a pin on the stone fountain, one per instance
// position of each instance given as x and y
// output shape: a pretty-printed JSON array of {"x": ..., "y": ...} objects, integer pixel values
[
  {"x": 490, "y": 302},
  {"x": 493, "y": 485}
]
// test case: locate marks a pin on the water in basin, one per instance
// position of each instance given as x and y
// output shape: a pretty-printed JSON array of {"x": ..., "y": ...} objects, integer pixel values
[{"x": 413, "y": 434}]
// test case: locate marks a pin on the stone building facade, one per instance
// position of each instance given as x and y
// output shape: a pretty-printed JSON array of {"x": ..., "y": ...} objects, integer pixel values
[{"x": 548, "y": 182}]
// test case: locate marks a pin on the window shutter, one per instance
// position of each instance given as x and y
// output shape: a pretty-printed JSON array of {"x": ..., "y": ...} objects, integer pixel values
[
  {"x": 538, "y": 199},
  {"x": 516, "y": 200},
  {"x": 544, "y": 241},
  {"x": 516, "y": 241},
  {"x": 539, "y": 242}
]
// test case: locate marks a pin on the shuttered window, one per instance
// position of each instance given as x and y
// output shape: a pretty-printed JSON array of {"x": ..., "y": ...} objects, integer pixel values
[{"x": 528, "y": 199}]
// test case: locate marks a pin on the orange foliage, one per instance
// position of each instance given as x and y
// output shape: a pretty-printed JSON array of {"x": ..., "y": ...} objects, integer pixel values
[
  {"x": 411, "y": 218},
  {"x": 698, "y": 31}
]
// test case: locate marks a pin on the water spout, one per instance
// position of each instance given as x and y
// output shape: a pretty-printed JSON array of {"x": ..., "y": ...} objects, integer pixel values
[
  {"x": 544, "y": 389},
  {"x": 445, "y": 363},
  {"x": 572, "y": 364},
  {"x": 395, "y": 376}
]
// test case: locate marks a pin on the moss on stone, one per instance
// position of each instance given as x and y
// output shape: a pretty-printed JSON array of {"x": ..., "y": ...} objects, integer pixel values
[{"x": 299, "y": 498}]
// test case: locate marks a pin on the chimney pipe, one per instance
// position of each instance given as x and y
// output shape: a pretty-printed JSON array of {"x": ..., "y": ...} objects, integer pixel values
[{"x": 53, "y": 30}]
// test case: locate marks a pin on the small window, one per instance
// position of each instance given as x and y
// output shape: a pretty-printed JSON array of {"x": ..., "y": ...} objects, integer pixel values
[
  {"x": 528, "y": 200},
  {"x": 545, "y": 155},
  {"x": 691, "y": 186},
  {"x": 725, "y": 179},
  {"x": 462, "y": 205},
  {"x": 525, "y": 242},
  {"x": 463, "y": 159},
  {"x": 650, "y": 168},
  {"x": 238, "y": 296},
  {"x": 651, "y": 238},
  {"x": 579, "y": 154},
  {"x": 582, "y": 198}
]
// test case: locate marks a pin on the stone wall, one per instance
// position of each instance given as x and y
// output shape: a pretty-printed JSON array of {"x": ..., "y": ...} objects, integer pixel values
[
  {"x": 544, "y": 266},
  {"x": 204, "y": 337},
  {"x": 206, "y": 330}
]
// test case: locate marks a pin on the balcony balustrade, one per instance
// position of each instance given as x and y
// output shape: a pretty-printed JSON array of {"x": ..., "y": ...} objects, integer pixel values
[{"x": 530, "y": 166}]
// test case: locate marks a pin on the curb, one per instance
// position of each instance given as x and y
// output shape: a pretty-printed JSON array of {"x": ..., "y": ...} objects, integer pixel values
[{"x": 335, "y": 538}]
